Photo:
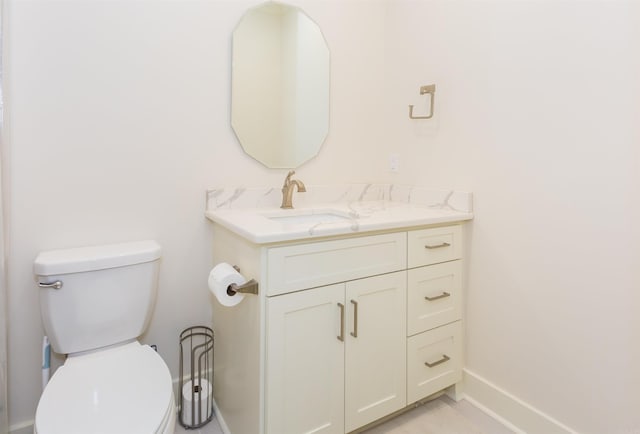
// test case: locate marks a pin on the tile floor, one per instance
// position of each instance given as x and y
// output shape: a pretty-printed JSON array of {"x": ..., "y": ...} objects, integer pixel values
[{"x": 440, "y": 416}]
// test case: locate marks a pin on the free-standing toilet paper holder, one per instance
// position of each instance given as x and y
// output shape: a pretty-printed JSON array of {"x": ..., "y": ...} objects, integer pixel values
[
  {"x": 195, "y": 387},
  {"x": 250, "y": 287}
]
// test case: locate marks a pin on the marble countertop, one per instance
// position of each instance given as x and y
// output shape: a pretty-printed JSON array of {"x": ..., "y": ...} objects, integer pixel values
[
  {"x": 262, "y": 226},
  {"x": 255, "y": 214}
]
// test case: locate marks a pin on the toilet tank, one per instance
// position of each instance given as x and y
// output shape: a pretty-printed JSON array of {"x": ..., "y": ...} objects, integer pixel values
[{"x": 107, "y": 294}]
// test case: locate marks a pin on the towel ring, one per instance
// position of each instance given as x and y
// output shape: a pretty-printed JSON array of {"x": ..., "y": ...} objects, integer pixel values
[{"x": 431, "y": 90}]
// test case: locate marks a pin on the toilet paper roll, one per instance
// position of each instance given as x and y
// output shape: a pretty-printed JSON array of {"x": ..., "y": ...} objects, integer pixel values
[
  {"x": 220, "y": 278},
  {"x": 200, "y": 402}
]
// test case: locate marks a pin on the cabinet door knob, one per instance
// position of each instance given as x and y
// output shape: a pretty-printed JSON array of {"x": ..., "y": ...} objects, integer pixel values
[
  {"x": 436, "y": 363},
  {"x": 437, "y": 297},
  {"x": 341, "y": 335}
]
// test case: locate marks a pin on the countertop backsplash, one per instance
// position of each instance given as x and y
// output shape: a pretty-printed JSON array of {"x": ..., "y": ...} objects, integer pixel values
[{"x": 270, "y": 197}]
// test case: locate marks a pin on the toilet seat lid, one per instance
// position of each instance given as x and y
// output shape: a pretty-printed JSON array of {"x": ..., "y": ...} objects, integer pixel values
[{"x": 127, "y": 389}]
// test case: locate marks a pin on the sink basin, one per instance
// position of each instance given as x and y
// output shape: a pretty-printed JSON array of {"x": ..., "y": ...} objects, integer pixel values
[{"x": 310, "y": 217}]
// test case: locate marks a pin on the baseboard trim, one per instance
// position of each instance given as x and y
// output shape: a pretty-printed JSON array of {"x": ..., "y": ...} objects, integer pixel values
[
  {"x": 223, "y": 425},
  {"x": 511, "y": 411},
  {"x": 22, "y": 427}
]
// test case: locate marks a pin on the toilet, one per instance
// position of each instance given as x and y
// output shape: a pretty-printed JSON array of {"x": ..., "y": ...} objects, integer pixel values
[{"x": 95, "y": 302}]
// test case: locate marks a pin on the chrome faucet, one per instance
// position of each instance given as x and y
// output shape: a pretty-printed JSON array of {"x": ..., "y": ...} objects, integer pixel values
[{"x": 287, "y": 189}]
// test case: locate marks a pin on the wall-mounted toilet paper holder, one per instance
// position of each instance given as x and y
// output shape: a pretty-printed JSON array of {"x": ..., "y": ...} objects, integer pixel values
[{"x": 250, "y": 287}]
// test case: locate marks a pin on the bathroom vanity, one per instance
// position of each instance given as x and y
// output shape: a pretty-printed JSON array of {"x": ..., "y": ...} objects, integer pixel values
[{"x": 358, "y": 314}]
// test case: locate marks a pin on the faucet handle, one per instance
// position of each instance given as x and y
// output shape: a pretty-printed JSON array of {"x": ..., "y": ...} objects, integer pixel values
[{"x": 287, "y": 180}]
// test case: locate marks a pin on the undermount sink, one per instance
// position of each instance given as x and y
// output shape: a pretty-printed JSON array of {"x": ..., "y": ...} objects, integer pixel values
[{"x": 308, "y": 216}]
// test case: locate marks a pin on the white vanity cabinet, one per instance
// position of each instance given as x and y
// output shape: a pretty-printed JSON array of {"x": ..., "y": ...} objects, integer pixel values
[{"x": 344, "y": 330}]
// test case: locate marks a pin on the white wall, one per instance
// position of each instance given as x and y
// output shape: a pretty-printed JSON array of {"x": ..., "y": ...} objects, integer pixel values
[
  {"x": 118, "y": 121},
  {"x": 537, "y": 113}
]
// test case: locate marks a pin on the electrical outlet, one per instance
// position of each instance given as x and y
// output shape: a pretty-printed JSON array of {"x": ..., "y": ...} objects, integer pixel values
[{"x": 394, "y": 162}]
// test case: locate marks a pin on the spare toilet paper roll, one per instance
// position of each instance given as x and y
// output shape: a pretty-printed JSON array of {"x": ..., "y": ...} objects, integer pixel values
[
  {"x": 220, "y": 278},
  {"x": 200, "y": 402}
]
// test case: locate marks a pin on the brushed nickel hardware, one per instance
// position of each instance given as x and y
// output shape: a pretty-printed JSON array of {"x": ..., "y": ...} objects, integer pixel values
[
  {"x": 341, "y": 335},
  {"x": 287, "y": 189},
  {"x": 55, "y": 285},
  {"x": 354, "y": 333},
  {"x": 249, "y": 287},
  {"x": 437, "y": 297},
  {"x": 436, "y": 363},
  {"x": 431, "y": 90},
  {"x": 437, "y": 246}
]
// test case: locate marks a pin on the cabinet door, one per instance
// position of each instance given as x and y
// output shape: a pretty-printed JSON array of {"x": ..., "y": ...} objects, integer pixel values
[
  {"x": 376, "y": 348},
  {"x": 305, "y": 362}
]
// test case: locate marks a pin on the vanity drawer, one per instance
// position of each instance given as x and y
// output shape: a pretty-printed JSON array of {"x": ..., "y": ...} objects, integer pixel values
[
  {"x": 434, "y": 296},
  {"x": 442, "y": 349},
  {"x": 434, "y": 245},
  {"x": 302, "y": 266}
]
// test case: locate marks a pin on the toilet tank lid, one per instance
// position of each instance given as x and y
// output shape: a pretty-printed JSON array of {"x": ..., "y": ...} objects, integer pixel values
[{"x": 81, "y": 259}]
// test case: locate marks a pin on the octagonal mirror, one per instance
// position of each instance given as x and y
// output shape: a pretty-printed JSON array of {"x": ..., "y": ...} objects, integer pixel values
[{"x": 279, "y": 85}]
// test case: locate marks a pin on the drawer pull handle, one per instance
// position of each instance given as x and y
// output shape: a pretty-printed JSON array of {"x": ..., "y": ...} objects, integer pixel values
[
  {"x": 341, "y": 335},
  {"x": 442, "y": 360},
  {"x": 437, "y": 297},
  {"x": 354, "y": 333},
  {"x": 437, "y": 246}
]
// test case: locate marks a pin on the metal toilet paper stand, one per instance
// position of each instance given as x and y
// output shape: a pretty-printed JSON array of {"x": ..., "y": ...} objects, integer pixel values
[{"x": 195, "y": 391}]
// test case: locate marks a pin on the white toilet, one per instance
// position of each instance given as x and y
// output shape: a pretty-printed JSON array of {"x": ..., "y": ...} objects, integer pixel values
[{"x": 95, "y": 302}]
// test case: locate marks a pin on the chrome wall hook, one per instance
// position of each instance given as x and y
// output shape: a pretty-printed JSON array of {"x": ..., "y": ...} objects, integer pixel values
[{"x": 431, "y": 90}]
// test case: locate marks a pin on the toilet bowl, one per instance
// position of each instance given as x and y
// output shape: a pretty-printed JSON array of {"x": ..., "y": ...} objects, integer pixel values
[
  {"x": 95, "y": 302},
  {"x": 122, "y": 390}
]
